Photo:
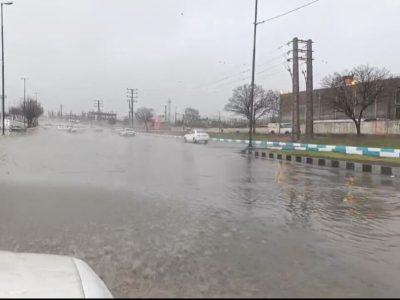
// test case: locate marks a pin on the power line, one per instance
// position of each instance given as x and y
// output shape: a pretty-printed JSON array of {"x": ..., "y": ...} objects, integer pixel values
[
  {"x": 222, "y": 80},
  {"x": 288, "y": 12}
]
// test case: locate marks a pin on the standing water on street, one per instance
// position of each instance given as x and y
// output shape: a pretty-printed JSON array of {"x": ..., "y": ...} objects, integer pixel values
[{"x": 213, "y": 148}]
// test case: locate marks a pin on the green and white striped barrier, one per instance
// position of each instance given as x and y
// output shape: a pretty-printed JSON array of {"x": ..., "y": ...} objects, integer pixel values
[{"x": 366, "y": 151}]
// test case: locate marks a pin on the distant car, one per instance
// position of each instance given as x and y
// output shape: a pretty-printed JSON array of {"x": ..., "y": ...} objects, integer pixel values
[
  {"x": 286, "y": 128},
  {"x": 196, "y": 136},
  {"x": 282, "y": 128},
  {"x": 127, "y": 132},
  {"x": 63, "y": 127}
]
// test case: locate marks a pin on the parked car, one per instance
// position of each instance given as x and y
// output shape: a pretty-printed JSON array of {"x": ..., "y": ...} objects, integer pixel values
[
  {"x": 127, "y": 132},
  {"x": 196, "y": 136}
]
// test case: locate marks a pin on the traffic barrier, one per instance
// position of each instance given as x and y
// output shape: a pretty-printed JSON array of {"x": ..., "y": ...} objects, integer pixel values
[
  {"x": 393, "y": 171},
  {"x": 366, "y": 151}
]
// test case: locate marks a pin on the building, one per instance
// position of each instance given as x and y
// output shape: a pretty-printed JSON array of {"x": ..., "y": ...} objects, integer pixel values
[
  {"x": 96, "y": 115},
  {"x": 387, "y": 107}
]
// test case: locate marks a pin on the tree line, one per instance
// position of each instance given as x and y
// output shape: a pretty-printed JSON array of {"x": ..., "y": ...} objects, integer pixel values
[{"x": 351, "y": 98}]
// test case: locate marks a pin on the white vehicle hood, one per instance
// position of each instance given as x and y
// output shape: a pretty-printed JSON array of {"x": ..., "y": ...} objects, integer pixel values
[{"x": 24, "y": 275}]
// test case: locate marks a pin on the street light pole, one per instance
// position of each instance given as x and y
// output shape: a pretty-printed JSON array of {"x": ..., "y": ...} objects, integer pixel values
[
  {"x": 251, "y": 121},
  {"x": 2, "y": 68}
]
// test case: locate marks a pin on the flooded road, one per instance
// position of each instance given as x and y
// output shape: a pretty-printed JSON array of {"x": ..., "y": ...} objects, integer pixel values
[{"x": 156, "y": 217}]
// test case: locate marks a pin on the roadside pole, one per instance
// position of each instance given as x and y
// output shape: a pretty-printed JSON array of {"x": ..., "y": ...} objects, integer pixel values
[
  {"x": 132, "y": 96},
  {"x": 295, "y": 86},
  {"x": 309, "y": 92},
  {"x": 252, "y": 79}
]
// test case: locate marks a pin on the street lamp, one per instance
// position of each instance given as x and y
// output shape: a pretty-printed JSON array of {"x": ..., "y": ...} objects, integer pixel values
[
  {"x": 2, "y": 67},
  {"x": 251, "y": 119}
]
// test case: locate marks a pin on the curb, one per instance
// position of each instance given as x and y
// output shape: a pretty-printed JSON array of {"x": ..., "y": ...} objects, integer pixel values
[
  {"x": 330, "y": 163},
  {"x": 365, "y": 151}
]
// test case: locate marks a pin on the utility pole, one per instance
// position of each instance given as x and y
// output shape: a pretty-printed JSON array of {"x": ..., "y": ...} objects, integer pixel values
[
  {"x": 175, "y": 116},
  {"x": 132, "y": 96},
  {"x": 165, "y": 113},
  {"x": 61, "y": 110},
  {"x": 309, "y": 92},
  {"x": 24, "y": 104},
  {"x": 169, "y": 110},
  {"x": 2, "y": 68},
  {"x": 219, "y": 120},
  {"x": 252, "y": 79},
  {"x": 98, "y": 104},
  {"x": 295, "y": 86},
  {"x": 309, "y": 88}
]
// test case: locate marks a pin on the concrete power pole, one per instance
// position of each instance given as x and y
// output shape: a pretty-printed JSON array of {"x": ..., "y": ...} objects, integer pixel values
[
  {"x": 175, "y": 116},
  {"x": 219, "y": 121},
  {"x": 132, "y": 96},
  {"x": 98, "y": 104},
  {"x": 309, "y": 92},
  {"x": 295, "y": 86},
  {"x": 169, "y": 110}
]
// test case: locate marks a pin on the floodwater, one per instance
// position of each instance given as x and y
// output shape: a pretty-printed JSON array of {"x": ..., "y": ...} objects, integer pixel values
[{"x": 156, "y": 217}]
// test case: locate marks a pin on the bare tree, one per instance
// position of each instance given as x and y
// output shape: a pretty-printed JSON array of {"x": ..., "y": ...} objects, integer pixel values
[
  {"x": 144, "y": 115},
  {"x": 15, "y": 111},
  {"x": 273, "y": 101},
  {"x": 31, "y": 110},
  {"x": 356, "y": 90},
  {"x": 192, "y": 116},
  {"x": 265, "y": 102}
]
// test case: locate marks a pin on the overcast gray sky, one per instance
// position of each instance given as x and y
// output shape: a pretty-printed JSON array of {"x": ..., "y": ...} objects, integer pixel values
[{"x": 76, "y": 51}]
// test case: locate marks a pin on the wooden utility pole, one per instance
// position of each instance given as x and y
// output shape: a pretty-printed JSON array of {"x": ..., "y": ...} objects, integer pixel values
[
  {"x": 295, "y": 86},
  {"x": 309, "y": 92}
]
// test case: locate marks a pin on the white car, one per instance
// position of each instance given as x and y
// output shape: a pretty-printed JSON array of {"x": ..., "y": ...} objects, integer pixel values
[
  {"x": 196, "y": 136},
  {"x": 63, "y": 127},
  {"x": 282, "y": 128},
  {"x": 127, "y": 132},
  {"x": 27, "y": 275}
]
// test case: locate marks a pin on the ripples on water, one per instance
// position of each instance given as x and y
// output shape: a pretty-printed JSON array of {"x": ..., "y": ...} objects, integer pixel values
[{"x": 156, "y": 217}]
